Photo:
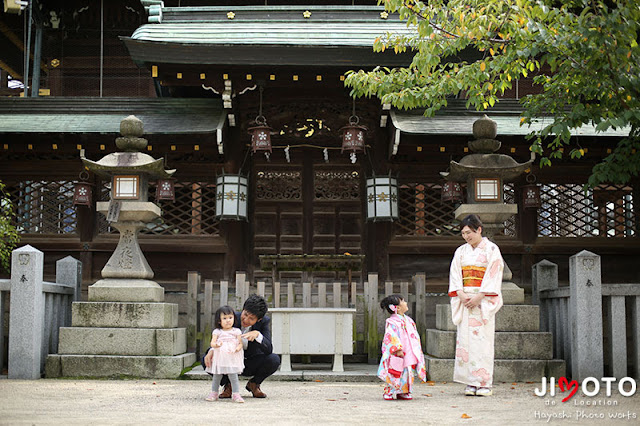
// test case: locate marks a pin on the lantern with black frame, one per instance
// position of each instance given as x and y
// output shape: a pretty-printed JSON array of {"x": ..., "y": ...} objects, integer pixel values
[
  {"x": 83, "y": 191},
  {"x": 261, "y": 133},
  {"x": 531, "y": 193},
  {"x": 232, "y": 194},
  {"x": 353, "y": 135}
]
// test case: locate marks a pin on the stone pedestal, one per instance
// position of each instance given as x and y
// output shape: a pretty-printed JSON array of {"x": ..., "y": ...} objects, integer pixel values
[
  {"x": 116, "y": 339},
  {"x": 522, "y": 352}
]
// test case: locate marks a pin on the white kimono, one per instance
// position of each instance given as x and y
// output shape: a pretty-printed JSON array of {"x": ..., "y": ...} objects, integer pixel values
[{"x": 475, "y": 271}]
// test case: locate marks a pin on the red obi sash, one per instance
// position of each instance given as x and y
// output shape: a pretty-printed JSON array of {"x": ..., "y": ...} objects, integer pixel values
[{"x": 472, "y": 276}]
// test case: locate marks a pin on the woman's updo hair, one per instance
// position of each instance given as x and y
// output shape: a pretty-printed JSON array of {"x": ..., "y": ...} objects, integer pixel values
[
  {"x": 393, "y": 299},
  {"x": 472, "y": 221}
]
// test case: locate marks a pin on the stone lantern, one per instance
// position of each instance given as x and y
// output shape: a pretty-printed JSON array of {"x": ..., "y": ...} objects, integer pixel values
[
  {"x": 485, "y": 172},
  {"x": 127, "y": 275},
  {"x": 125, "y": 328}
]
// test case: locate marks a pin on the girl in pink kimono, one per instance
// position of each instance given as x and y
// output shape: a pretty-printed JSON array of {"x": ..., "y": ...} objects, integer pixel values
[
  {"x": 401, "y": 350},
  {"x": 475, "y": 282}
]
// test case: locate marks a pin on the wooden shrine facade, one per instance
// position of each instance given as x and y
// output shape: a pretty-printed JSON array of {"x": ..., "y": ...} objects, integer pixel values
[{"x": 306, "y": 197}]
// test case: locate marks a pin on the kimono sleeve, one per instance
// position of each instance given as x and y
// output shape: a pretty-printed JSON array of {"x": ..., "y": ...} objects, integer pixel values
[
  {"x": 492, "y": 283},
  {"x": 455, "y": 285}
]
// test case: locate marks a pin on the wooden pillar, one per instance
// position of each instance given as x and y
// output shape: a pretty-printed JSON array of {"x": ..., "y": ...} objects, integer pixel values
[{"x": 527, "y": 222}]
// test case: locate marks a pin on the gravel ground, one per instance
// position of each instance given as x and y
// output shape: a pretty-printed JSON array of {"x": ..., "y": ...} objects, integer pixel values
[{"x": 147, "y": 401}]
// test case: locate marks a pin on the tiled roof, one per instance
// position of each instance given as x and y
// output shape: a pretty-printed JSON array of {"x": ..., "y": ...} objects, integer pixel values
[
  {"x": 457, "y": 120},
  {"x": 272, "y": 25},
  {"x": 277, "y": 35},
  {"x": 103, "y": 115}
]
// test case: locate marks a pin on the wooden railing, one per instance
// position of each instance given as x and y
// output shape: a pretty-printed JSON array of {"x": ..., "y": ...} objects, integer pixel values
[{"x": 205, "y": 296}]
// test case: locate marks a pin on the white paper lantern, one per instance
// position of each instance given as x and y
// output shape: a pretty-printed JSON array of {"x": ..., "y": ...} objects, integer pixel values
[
  {"x": 231, "y": 197},
  {"x": 382, "y": 198}
]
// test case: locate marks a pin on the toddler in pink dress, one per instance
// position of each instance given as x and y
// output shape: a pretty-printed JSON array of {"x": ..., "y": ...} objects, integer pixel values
[{"x": 228, "y": 353}]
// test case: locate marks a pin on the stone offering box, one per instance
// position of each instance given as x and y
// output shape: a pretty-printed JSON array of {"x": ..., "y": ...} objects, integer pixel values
[{"x": 312, "y": 331}]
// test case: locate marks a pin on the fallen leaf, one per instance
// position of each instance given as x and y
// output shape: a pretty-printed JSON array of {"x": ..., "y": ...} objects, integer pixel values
[
  {"x": 454, "y": 406},
  {"x": 444, "y": 383},
  {"x": 346, "y": 393},
  {"x": 320, "y": 381},
  {"x": 514, "y": 383},
  {"x": 430, "y": 383},
  {"x": 441, "y": 391},
  {"x": 331, "y": 399},
  {"x": 426, "y": 394},
  {"x": 529, "y": 382},
  {"x": 154, "y": 383},
  {"x": 465, "y": 416},
  {"x": 512, "y": 387}
]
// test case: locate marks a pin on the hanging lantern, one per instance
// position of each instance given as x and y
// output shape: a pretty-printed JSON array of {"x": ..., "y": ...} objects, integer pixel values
[
  {"x": 452, "y": 191},
  {"x": 231, "y": 197},
  {"x": 382, "y": 198},
  {"x": 353, "y": 134},
  {"x": 260, "y": 135},
  {"x": 165, "y": 190},
  {"x": 83, "y": 191},
  {"x": 531, "y": 194}
]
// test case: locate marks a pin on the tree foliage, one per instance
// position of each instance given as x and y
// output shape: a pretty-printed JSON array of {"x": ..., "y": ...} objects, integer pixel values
[
  {"x": 583, "y": 54},
  {"x": 8, "y": 234}
]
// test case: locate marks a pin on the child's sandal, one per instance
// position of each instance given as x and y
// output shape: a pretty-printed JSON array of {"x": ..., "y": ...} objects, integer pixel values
[{"x": 387, "y": 397}]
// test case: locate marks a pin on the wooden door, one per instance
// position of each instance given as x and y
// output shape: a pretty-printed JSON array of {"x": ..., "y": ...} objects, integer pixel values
[{"x": 308, "y": 208}]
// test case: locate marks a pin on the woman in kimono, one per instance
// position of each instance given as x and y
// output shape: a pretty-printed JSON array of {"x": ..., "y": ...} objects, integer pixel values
[
  {"x": 475, "y": 281},
  {"x": 401, "y": 351}
]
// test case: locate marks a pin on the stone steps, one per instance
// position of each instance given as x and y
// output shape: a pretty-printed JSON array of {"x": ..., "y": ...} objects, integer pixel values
[
  {"x": 508, "y": 345},
  {"x": 508, "y": 318},
  {"x": 505, "y": 370},
  {"x": 160, "y": 367},
  {"x": 122, "y": 341},
  {"x": 522, "y": 352}
]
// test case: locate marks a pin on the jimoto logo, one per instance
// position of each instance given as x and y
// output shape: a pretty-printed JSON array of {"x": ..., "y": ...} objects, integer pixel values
[{"x": 590, "y": 386}]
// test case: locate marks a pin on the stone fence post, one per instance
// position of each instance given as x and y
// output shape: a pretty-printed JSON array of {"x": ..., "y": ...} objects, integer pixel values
[
  {"x": 585, "y": 313},
  {"x": 69, "y": 273},
  {"x": 26, "y": 317},
  {"x": 544, "y": 276}
]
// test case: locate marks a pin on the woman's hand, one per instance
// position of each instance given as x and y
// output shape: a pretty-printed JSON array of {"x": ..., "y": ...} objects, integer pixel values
[
  {"x": 474, "y": 301},
  {"x": 464, "y": 297}
]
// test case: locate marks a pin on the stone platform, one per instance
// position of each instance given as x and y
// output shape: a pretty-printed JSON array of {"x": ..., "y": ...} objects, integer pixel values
[
  {"x": 522, "y": 352},
  {"x": 121, "y": 339}
]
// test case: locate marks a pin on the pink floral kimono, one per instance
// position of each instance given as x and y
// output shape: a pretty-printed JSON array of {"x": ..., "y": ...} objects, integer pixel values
[
  {"x": 397, "y": 373},
  {"x": 474, "y": 271}
]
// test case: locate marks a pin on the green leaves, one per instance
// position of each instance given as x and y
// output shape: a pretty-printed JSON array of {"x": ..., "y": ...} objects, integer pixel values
[
  {"x": 8, "y": 234},
  {"x": 583, "y": 55}
]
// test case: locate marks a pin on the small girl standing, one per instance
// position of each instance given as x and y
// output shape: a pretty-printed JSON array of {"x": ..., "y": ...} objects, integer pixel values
[
  {"x": 401, "y": 350},
  {"x": 228, "y": 355}
]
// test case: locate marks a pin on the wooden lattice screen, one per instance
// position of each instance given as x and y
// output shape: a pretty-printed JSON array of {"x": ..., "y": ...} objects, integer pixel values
[
  {"x": 192, "y": 213},
  {"x": 44, "y": 207},
  {"x": 568, "y": 211},
  {"x": 423, "y": 213}
]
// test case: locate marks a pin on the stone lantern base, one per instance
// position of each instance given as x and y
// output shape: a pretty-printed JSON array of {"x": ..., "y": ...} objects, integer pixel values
[{"x": 121, "y": 339}]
